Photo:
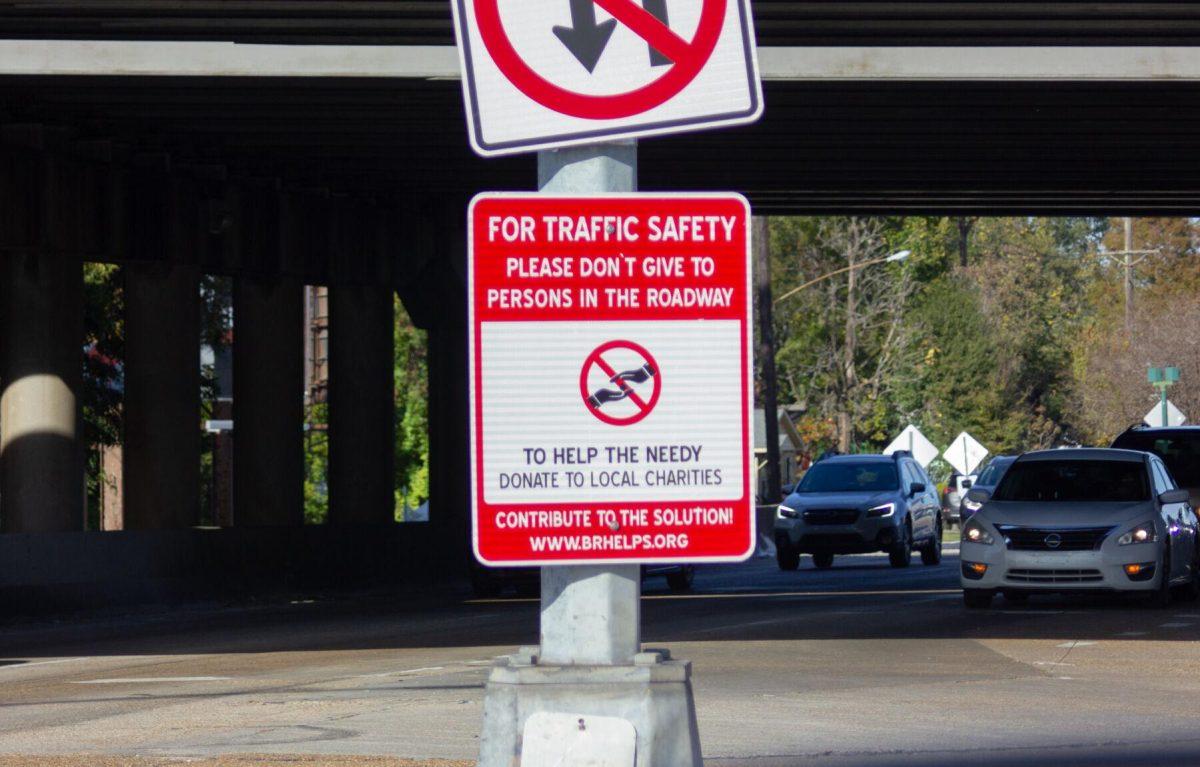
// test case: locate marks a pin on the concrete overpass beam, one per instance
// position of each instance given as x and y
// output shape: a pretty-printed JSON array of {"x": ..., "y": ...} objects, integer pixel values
[
  {"x": 162, "y": 396},
  {"x": 361, "y": 405},
  {"x": 268, "y": 402},
  {"x": 41, "y": 334}
]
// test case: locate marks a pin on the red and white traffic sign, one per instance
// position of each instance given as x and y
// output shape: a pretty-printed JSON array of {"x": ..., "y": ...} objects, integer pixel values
[
  {"x": 539, "y": 74},
  {"x": 610, "y": 376}
]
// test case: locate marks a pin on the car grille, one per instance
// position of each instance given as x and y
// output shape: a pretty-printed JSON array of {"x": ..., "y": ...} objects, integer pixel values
[
  {"x": 1044, "y": 539},
  {"x": 832, "y": 540},
  {"x": 1055, "y": 576},
  {"x": 831, "y": 516}
]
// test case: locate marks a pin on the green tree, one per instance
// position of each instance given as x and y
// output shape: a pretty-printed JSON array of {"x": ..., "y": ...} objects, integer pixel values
[
  {"x": 103, "y": 376},
  {"x": 316, "y": 464},
  {"x": 410, "y": 362},
  {"x": 840, "y": 339}
]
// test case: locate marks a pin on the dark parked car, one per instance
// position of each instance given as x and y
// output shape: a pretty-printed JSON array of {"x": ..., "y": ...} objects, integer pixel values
[
  {"x": 987, "y": 481},
  {"x": 1178, "y": 447},
  {"x": 853, "y": 504}
]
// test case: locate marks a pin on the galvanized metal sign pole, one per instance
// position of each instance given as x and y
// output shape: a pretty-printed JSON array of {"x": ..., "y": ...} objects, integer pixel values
[
  {"x": 590, "y": 614},
  {"x": 587, "y": 692}
]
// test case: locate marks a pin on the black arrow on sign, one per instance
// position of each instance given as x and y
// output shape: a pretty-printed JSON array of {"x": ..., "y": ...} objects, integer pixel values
[
  {"x": 657, "y": 9},
  {"x": 586, "y": 39}
]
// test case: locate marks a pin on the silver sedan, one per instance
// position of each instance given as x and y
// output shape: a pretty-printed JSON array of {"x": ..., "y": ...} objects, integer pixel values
[{"x": 1082, "y": 520}]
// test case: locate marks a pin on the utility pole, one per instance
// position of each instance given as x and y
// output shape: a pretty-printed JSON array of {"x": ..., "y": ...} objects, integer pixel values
[
  {"x": 1128, "y": 274},
  {"x": 1128, "y": 263},
  {"x": 849, "y": 352},
  {"x": 964, "y": 234},
  {"x": 766, "y": 355}
]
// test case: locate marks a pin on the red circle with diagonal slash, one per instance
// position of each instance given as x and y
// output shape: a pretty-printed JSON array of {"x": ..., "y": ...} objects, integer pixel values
[
  {"x": 689, "y": 58},
  {"x": 644, "y": 406}
]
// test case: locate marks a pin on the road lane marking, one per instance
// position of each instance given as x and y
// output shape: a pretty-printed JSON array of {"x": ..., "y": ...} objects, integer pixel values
[
  {"x": 1050, "y": 663},
  {"x": 1031, "y": 612},
  {"x": 403, "y": 672},
  {"x": 1074, "y": 644},
  {"x": 157, "y": 680},
  {"x": 1174, "y": 625},
  {"x": 1133, "y": 633},
  {"x": 17, "y": 666}
]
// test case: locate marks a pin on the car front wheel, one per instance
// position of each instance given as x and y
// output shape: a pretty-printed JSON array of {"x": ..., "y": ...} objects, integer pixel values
[
  {"x": 823, "y": 560},
  {"x": 1190, "y": 591},
  {"x": 900, "y": 554},
  {"x": 1161, "y": 597},
  {"x": 931, "y": 554},
  {"x": 788, "y": 558}
]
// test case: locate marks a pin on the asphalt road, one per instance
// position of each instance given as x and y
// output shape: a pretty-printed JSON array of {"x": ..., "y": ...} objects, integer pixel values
[{"x": 860, "y": 665}]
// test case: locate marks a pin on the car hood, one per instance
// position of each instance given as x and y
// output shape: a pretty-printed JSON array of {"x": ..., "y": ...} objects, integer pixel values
[
  {"x": 838, "y": 500},
  {"x": 1064, "y": 514}
]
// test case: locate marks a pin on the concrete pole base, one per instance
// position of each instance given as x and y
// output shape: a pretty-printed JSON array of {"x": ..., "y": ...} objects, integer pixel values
[{"x": 654, "y": 694}]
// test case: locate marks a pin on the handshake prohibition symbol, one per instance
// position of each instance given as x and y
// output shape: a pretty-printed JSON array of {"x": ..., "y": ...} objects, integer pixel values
[{"x": 640, "y": 375}]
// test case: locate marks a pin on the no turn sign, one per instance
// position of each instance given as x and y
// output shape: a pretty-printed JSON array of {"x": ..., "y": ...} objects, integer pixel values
[
  {"x": 610, "y": 379},
  {"x": 539, "y": 74}
]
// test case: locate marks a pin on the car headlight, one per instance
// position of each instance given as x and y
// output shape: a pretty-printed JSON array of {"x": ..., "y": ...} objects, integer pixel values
[
  {"x": 788, "y": 511},
  {"x": 971, "y": 506},
  {"x": 886, "y": 510},
  {"x": 1143, "y": 533},
  {"x": 974, "y": 532}
]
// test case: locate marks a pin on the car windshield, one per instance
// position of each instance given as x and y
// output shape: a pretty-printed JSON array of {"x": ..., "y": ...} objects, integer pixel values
[
  {"x": 1074, "y": 481},
  {"x": 990, "y": 477},
  {"x": 849, "y": 478},
  {"x": 1181, "y": 453}
]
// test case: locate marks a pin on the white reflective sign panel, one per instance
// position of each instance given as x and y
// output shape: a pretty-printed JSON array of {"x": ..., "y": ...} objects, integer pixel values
[
  {"x": 918, "y": 444},
  {"x": 539, "y": 74},
  {"x": 965, "y": 453},
  {"x": 1175, "y": 416}
]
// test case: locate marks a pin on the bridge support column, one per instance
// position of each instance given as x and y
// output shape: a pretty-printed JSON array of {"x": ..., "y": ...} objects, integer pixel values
[
  {"x": 361, "y": 406},
  {"x": 162, "y": 396},
  {"x": 268, "y": 402},
  {"x": 449, "y": 432},
  {"x": 41, "y": 334}
]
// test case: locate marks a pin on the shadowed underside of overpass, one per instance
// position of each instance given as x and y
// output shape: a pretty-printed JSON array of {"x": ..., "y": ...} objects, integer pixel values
[
  {"x": 345, "y": 162},
  {"x": 1051, "y": 138},
  {"x": 1032, "y": 147}
]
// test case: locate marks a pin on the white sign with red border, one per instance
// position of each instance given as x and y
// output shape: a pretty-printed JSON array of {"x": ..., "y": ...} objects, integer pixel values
[
  {"x": 539, "y": 74},
  {"x": 610, "y": 378}
]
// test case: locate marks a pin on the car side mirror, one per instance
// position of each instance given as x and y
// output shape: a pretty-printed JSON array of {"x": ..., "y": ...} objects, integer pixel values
[
  {"x": 1178, "y": 495},
  {"x": 915, "y": 488},
  {"x": 979, "y": 496}
]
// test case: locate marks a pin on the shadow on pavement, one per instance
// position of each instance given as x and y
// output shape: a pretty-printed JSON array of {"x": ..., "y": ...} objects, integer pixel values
[{"x": 860, "y": 599}]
